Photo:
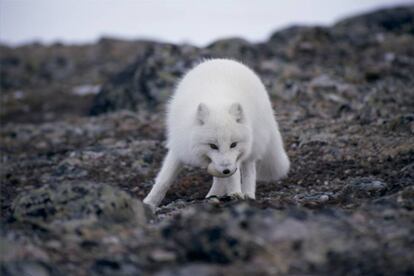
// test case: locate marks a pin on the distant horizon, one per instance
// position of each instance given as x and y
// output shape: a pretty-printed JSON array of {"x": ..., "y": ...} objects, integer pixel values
[{"x": 25, "y": 23}]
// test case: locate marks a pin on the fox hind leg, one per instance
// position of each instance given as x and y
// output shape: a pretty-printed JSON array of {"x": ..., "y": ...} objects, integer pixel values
[{"x": 275, "y": 163}]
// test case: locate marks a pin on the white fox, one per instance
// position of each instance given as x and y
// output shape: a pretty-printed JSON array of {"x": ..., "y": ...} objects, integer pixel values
[{"x": 220, "y": 118}]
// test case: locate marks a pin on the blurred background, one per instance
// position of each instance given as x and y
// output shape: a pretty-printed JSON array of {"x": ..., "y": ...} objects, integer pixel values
[
  {"x": 83, "y": 88},
  {"x": 176, "y": 21}
]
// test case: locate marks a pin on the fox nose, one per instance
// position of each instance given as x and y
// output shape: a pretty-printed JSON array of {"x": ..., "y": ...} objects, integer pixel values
[{"x": 226, "y": 171}]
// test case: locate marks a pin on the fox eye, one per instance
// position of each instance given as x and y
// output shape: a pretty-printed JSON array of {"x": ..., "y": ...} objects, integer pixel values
[
  {"x": 213, "y": 146},
  {"x": 233, "y": 145}
]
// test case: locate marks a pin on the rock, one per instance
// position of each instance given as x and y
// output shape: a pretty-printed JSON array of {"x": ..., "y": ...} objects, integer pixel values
[
  {"x": 235, "y": 48},
  {"x": 363, "y": 187},
  {"x": 159, "y": 255},
  {"x": 314, "y": 200},
  {"x": 114, "y": 267},
  {"x": 12, "y": 250},
  {"x": 299, "y": 42},
  {"x": 288, "y": 240},
  {"x": 396, "y": 20},
  {"x": 34, "y": 65},
  {"x": 216, "y": 239},
  {"x": 316, "y": 138},
  {"x": 323, "y": 82},
  {"x": 149, "y": 81},
  {"x": 403, "y": 198},
  {"x": 406, "y": 198},
  {"x": 343, "y": 98},
  {"x": 404, "y": 122},
  {"x": 68, "y": 206},
  {"x": 133, "y": 158},
  {"x": 190, "y": 270},
  {"x": 31, "y": 268}
]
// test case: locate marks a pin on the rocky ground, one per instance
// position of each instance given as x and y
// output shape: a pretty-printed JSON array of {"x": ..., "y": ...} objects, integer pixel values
[{"x": 82, "y": 139}]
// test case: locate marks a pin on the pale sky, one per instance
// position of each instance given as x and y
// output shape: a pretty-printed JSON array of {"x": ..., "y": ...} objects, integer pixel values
[{"x": 197, "y": 22}]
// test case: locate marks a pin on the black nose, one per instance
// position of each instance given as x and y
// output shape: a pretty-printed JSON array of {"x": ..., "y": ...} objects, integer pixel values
[{"x": 226, "y": 171}]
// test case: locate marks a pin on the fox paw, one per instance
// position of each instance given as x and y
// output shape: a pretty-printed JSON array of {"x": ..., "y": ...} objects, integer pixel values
[
  {"x": 248, "y": 196},
  {"x": 213, "y": 199},
  {"x": 150, "y": 204},
  {"x": 236, "y": 196}
]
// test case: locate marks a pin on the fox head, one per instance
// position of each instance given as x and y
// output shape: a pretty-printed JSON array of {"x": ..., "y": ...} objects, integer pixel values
[{"x": 221, "y": 138}]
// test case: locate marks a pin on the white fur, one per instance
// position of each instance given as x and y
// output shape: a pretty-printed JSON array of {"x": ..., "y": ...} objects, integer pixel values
[{"x": 221, "y": 102}]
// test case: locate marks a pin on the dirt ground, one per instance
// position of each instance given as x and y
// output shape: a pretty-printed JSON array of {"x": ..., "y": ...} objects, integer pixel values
[{"x": 82, "y": 138}]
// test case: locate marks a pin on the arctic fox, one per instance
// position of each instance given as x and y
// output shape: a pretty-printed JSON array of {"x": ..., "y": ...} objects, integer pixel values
[{"x": 220, "y": 118}]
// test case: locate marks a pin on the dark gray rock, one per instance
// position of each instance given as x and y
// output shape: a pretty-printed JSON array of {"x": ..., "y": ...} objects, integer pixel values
[
  {"x": 114, "y": 267},
  {"x": 149, "y": 81},
  {"x": 35, "y": 65},
  {"x": 216, "y": 239},
  {"x": 190, "y": 270},
  {"x": 68, "y": 206},
  {"x": 364, "y": 187},
  {"x": 287, "y": 241},
  {"x": 32, "y": 268},
  {"x": 235, "y": 48},
  {"x": 397, "y": 20}
]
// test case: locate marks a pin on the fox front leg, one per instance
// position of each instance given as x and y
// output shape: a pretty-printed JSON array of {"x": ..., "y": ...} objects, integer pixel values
[
  {"x": 217, "y": 189},
  {"x": 248, "y": 171},
  {"x": 169, "y": 171},
  {"x": 230, "y": 186}
]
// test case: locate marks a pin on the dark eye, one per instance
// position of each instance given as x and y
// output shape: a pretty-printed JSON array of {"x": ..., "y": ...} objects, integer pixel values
[
  {"x": 213, "y": 146},
  {"x": 233, "y": 145}
]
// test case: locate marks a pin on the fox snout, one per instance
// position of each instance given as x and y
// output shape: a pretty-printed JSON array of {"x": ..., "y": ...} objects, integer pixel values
[
  {"x": 226, "y": 167},
  {"x": 221, "y": 171}
]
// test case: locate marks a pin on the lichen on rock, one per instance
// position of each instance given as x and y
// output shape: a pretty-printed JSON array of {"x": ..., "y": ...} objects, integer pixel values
[{"x": 67, "y": 206}]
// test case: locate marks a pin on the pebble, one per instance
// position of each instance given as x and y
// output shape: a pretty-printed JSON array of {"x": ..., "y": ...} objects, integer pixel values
[
  {"x": 161, "y": 255},
  {"x": 323, "y": 198}
]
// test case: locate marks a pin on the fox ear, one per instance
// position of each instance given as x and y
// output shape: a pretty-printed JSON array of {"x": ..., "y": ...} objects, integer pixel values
[
  {"x": 202, "y": 113},
  {"x": 236, "y": 111}
]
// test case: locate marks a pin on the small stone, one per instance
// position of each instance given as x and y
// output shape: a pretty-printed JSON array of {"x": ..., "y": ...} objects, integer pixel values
[
  {"x": 323, "y": 198},
  {"x": 161, "y": 255}
]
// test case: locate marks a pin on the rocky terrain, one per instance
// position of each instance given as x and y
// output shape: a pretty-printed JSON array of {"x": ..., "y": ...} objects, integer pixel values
[{"x": 82, "y": 139}]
